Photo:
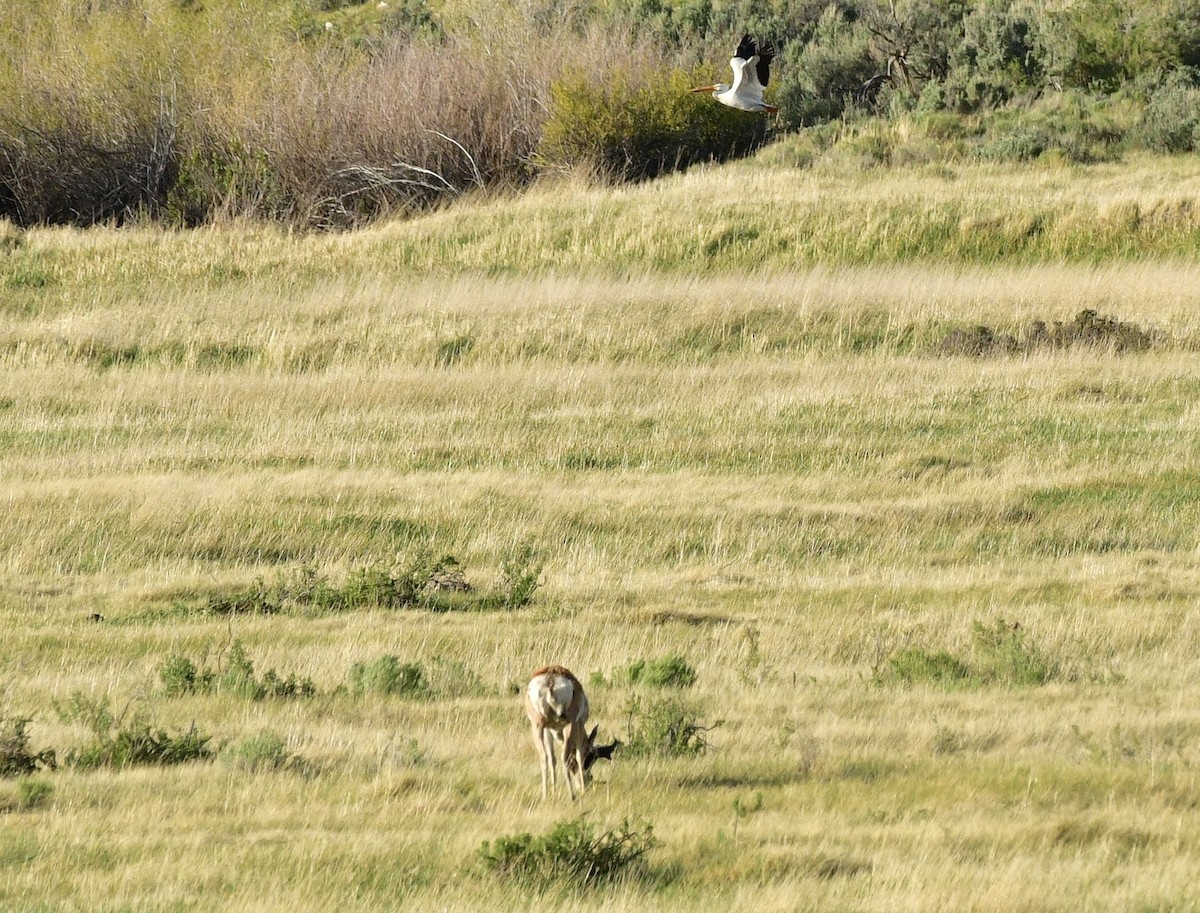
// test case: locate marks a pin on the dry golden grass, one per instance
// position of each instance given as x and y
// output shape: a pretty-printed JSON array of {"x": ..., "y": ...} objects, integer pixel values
[{"x": 769, "y": 472}]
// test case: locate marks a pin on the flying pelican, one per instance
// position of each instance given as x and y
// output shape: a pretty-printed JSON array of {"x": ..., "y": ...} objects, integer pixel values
[{"x": 751, "y": 70}]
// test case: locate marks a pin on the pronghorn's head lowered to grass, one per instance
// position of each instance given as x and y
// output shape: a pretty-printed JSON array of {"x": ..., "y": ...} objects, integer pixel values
[{"x": 558, "y": 710}]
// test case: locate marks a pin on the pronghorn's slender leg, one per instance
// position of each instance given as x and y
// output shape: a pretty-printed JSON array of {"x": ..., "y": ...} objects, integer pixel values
[
  {"x": 539, "y": 740},
  {"x": 548, "y": 760},
  {"x": 568, "y": 749}
]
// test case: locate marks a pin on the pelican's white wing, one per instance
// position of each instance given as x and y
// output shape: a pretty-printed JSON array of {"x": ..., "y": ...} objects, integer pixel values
[
  {"x": 745, "y": 78},
  {"x": 738, "y": 65}
]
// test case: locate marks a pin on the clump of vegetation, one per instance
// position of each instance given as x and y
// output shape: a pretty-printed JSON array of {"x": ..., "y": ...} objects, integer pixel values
[
  {"x": 915, "y": 664},
  {"x": 33, "y": 794},
  {"x": 636, "y": 127},
  {"x": 520, "y": 577},
  {"x": 17, "y": 758},
  {"x": 387, "y": 675},
  {"x": 1087, "y": 329},
  {"x": 665, "y": 726},
  {"x": 234, "y": 674},
  {"x": 263, "y": 751},
  {"x": 1003, "y": 654},
  {"x": 421, "y": 581},
  {"x": 115, "y": 743},
  {"x": 437, "y": 677},
  {"x": 573, "y": 852},
  {"x": 1008, "y": 655},
  {"x": 672, "y": 671},
  {"x": 25, "y": 795}
]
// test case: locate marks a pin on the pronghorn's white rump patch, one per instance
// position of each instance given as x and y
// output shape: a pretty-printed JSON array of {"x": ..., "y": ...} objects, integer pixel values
[{"x": 551, "y": 695}]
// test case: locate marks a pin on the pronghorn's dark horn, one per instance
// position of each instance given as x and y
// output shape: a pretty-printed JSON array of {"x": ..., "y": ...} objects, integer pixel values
[{"x": 606, "y": 751}]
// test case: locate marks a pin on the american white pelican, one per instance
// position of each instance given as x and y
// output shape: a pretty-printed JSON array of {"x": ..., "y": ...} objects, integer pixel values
[{"x": 751, "y": 71}]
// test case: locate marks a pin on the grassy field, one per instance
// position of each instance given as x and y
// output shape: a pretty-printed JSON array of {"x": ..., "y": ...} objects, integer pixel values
[{"x": 940, "y": 599}]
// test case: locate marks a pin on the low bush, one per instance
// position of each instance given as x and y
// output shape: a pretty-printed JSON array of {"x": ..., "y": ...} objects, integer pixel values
[
  {"x": 17, "y": 758},
  {"x": 671, "y": 671},
  {"x": 574, "y": 852},
  {"x": 520, "y": 577},
  {"x": 437, "y": 678},
  {"x": 636, "y": 127},
  {"x": 33, "y": 794},
  {"x": 1076, "y": 127},
  {"x": 1008, "y": 655},
  {"x": 1171, "y": 118},
  {"x": 915, "y": 664},
  {"x": 119, "y": 745},
  {"x": 422, "y": 580},
  {"x": 262, "y": 751},
  {"x": 1003, "y": 653},
  {"x": 665, "y": 727},
  {"x": 388, "y": 676},
  {"x": 234, "y": 674},
  {"x": 1088, "y": 329}
]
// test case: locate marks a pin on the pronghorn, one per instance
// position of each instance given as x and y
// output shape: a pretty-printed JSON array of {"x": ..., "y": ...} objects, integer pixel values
[{"x": 558, "y": 710}]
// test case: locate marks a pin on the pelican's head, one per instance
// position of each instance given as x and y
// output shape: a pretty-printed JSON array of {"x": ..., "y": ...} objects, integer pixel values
[{"x": 715, "y": 90}]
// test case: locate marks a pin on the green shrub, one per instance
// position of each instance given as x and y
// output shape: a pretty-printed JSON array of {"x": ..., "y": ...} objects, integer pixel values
[
  {"x": 1171, "y": 117},
  {"x": 668, "y": 672},
  {"x": 423, "y": 580},
  {"x": 180, "y": 675},
  {"x": 914, "y": 664},
  {"x": 119, "y": 745},
  {"x": 1009, "y": 656},
  {"x": 1074, "y": 125},
  {"x": 1003, "y": 654},
  {"x": 665, "y": 727},
  {"x": 17, "y": 759},
  {"x": 264, "y": 750},
  {"x": 572, "y": 852},
  {"x": 635, "y": 129},
  {"x": 520, "y": 577},
  {"x": 825, "y": 78},
  {"x": 387, "y": 675}
]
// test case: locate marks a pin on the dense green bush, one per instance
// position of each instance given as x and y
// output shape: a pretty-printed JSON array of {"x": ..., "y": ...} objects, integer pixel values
[
  {"x": 1008, "y": 655},
  {"x": 520, "y": 576},
  {"x": 387, "y": 675},
  {"x": 831, "y": 74},
  {"x": 632, "y": 129},
  {"x": 665, "y": 726},
  {"x": 120, "y": 744},
  {"x": 672, "y": 671},
  {"x": 573, "y": 852},
  {"x": 263, "y": 751},
  {"x": 1171, "y": 117},
  {"x": 17, "y": 758},
  {"x": 915, "y": 664}
]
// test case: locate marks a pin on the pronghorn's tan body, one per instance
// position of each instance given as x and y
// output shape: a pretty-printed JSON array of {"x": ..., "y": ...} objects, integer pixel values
[{"x": 558, "y": 710}]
